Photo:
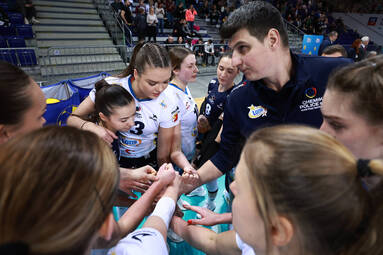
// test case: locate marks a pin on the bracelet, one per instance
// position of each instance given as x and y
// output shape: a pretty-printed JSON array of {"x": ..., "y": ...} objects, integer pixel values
[{"x": 82, "y": 125}]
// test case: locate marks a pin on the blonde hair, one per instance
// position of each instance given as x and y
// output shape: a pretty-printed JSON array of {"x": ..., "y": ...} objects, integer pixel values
[
  {"x": 308, "y": 177},
  {"x": 57, "y": 186}
]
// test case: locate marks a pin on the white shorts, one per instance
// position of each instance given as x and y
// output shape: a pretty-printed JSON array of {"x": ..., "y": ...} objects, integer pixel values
[{"x": 142, "y": 241}]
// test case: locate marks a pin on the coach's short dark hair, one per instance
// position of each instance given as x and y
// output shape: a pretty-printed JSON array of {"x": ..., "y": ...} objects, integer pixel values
[
  {"x": 258, "y": 18},
  {"x": 335, "y": 48}
]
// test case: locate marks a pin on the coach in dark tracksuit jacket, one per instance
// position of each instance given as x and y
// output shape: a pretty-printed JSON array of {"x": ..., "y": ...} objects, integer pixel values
[{"x": 285, "y": 88}]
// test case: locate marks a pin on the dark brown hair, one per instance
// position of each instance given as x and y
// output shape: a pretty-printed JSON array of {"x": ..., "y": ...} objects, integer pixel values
[
  {"x": 14, "y": 97},
  {"x": 57, "y": 187},
  {"x": 334, "y": 49},
  {"x": 177, "y": 56},
  {"x": 363, "y": 83},
  {"x": 308, "y": 177},
  {"x": 109, "y": 96},
  {"x": 356, "y": 45},
  {"x": 146, "y": 55},
  {"x": 258, "y": 17}
]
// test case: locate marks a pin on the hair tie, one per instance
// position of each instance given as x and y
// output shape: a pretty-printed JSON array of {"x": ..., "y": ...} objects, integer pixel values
[
  {"x": 363, "y": 169},
  {"x": 14, "y": 248}
]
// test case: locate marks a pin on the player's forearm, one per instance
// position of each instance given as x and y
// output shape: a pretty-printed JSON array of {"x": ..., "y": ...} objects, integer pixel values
[
  {"x": 201, "y": 238},
  {"x": 178, "y": 158},
  {"x": 134, "y": 215}
]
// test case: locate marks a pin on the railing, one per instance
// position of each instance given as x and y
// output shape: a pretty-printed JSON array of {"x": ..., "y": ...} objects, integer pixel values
[
  {"x": 23, "y": 57},
  {"x": 75, "y": 61},
  {"x": 119, "y": 31}
]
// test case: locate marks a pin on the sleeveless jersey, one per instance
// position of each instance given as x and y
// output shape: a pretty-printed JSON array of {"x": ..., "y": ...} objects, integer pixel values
[
  {"x": 151, "y": 114},
  {"x": 188, "y": 117}
]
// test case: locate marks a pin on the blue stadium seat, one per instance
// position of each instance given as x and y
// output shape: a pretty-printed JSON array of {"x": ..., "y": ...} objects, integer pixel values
[
  {"x": 4, "y": 6},
  {"x": 27, "y": 57},
  {"x": 8, "y": 56},
  {"x": 16, "y": 42},
  {"x": 16, "y": 18},
  {"x": 7, "y": 31},
  {"x": 3, "y": 42},
  {"x": 25, "y": 31}
]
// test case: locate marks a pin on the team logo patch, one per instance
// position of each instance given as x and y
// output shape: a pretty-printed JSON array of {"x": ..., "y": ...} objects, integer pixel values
[
  {"x": 257, "y": 111},
  {"x": 163, "y": 104},
  {"x": 138, "y": 108},
  {"x": 131, "y": 142},
  {"x": 175, "y": 114},
  {"x": 311, "y": 92},
  {"x": 187, "y": 105}
]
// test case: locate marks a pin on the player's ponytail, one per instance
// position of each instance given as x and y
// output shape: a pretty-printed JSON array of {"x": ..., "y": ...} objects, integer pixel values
[{"x": 146, "y": 55}]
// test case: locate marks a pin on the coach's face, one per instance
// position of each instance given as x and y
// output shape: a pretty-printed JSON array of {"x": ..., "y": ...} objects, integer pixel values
[{"x": 253, "y": 57}]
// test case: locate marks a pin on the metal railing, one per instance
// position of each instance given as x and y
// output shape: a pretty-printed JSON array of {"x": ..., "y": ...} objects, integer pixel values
[
  {"x": 119, "y": 31},
  {"x": 77, "y": 61},
  {"x": 23, "y": 57}
]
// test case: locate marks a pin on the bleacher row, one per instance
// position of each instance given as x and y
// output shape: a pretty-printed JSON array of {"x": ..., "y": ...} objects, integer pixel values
[{"x": 12, "y": 40}]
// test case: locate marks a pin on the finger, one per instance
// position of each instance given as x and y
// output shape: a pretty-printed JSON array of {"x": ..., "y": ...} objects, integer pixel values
[
  {"x": 196, "y": 222},
  {"x": 149, "y": 169},
  {"x": 196, "y": 209},
  {"x": 151, "y": 177},
  {"x": 111, "y": 134}
]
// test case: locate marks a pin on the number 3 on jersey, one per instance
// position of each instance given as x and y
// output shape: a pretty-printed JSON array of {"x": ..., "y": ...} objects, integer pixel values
[{"x": 138, "y": 127}]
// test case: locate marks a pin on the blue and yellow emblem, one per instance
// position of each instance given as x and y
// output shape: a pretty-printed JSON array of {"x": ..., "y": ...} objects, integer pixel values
[{"x": 257, "y": 111}]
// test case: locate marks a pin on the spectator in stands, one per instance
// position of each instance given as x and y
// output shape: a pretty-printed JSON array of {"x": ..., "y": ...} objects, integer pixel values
[
  {"x": 117, "y": 5},
  {"x": 199, "y": 51},
  {"x": 334, "y": 51},
  {"x": 170, "y": 8},
  {"x": 332, "y": 36},
  {"x": 355, "y": 51},
  {"x": 179, "y": 13},
  {"x": 143, "y": 6},
  {"x": 363, "y": 48},
  {"x": 169, "y": 40},
  {"x": 30, "y": 12},
  {"x": 4, "y": 19},
  {"x": 22, "y": 103},
  {"x": 188, "y": 44},
  {"x": 214, "y": 15},
  {"x": 126, "y": 14},
  {"x": 189, "y": 17},
  {"x": 205, "y": 10},
  {"x": 160, "y": 12},
  {"x": 181, "y": 29},
  {"x": 151, "y": 28},
  {"x": 209, "y": 52},
  {"x": 140, "y": 24},
  {"x": 180, "y": 40}
]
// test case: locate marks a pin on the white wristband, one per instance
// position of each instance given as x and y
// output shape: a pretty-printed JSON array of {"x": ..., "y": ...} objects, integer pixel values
[{"x": 165, "y": 210}]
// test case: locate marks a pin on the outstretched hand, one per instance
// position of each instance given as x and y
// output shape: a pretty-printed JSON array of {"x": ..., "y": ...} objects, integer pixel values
[{"x": 208, "y": 218}]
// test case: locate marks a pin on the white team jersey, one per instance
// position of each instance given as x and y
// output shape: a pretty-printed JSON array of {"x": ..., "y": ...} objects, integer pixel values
[
  {"x": 245, "y": 248},
  {"x": 188, "y": 117},
  {"x": 150, "y": 115},
  {"x": 148, "y": 241}
]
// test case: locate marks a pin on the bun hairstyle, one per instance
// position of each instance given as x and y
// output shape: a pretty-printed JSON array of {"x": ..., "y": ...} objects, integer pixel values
[
  {"x": 315, "y": 182},
  {"x": 109, "y": 96}
]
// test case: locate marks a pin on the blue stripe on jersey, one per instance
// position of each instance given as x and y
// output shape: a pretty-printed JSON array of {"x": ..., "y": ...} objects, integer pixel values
[
  {"x": 132, "y": 92},
  {"x": 174, "y": 85}
]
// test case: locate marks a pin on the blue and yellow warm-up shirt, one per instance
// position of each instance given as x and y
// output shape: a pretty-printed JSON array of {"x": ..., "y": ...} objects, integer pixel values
[{"x": 254, "y": 105}]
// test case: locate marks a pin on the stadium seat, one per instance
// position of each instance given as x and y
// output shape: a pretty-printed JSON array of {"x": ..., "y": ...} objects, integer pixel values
[
  {"x": 16, "y": 18},
  {"x": 8, "y": 56},
  {"x": 7, "y": 31},
  {"x": 25, "y": 31},
  {"x": 16, "y": 42},
  {"x": 27, "y": 57},
  {"x": 3, "y": 42}
]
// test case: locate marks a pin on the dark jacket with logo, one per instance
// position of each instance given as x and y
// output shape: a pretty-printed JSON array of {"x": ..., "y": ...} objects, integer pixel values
[{"x": 254, "y": 106}]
